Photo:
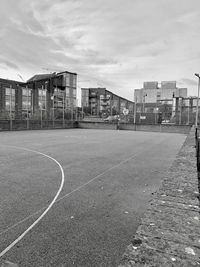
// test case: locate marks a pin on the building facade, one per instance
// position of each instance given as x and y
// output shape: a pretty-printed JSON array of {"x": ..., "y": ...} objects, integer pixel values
[
  {"x": 101, "y": 102},
  {"x": 153, "y": 93},
  {"x": 44, "y": 92}
]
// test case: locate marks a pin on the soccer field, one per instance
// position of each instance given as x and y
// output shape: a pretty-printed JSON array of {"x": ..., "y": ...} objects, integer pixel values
[{"x": 75, "y": 197}]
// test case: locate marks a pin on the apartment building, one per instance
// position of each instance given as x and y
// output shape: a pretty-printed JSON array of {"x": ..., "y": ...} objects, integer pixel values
[
  {"x": 153, "y": 93},
  {"x": 100, "y": 101},
  {"x": 46, "y": 92}
]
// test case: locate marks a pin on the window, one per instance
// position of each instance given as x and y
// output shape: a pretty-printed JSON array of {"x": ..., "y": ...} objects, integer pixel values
[
  {"x": 74, "y": 92},
  {"x": 67, "y": 102},
  {"x": 85, "y": 92},
  {"x": 67, "y": 80},
  {"x": 59, "y": 98},
  {"x": 26, "y": 98},
  {"x": 67, "y": 90},
  {"x": 93, "y": 94},
  {"x": 42, "y": 98},
  {"x": 10, "y": 99},
  {"x": 108, "y": 96},
  {"x": 74, "y": 81}
]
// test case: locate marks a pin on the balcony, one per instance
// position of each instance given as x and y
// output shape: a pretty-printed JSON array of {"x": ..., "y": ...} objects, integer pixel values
[
  {"x": 104, "y": 104},
  {"x": 93, "y": 101},
  {"x": 103, "y": 99},
  {"x": 93, "y": 94}
]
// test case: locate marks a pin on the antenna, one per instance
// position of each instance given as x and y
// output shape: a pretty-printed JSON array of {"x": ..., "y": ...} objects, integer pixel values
[{"x": 20, "y": 77}]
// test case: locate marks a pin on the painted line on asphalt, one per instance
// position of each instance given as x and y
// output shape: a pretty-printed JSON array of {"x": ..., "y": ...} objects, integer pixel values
[
  {"x": 68, "y": 194},
  {"x": 96, "y": 177},
  {"x": 47, "y": 209}
]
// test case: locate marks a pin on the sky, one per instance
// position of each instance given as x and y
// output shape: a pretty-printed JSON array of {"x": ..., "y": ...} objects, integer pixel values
[{"x": 116, "y": 44}]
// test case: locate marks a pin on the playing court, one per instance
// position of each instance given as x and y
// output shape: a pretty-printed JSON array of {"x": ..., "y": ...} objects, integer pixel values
[{"x": 75, "y": 197}]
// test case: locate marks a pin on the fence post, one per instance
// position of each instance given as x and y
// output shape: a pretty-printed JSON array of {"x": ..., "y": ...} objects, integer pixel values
[
  {"x": 196, "y": 133},
  {"x": 63, "y": 113},
  {"x": 196, "y": 140},
  {"x": 197, "y": 153},
  {"x": 27, "y": 123},
  {"x": 10, "y": 111},
  {"x": 41, "y": 118}
]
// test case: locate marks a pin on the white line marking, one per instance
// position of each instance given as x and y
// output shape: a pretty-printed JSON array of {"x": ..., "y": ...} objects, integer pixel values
[
  {"x": 68, "y": 194},
  {"x": 48, "y": 208},
  {"x": 23, "y": 220},
  {"x": 96, "y": 177}
]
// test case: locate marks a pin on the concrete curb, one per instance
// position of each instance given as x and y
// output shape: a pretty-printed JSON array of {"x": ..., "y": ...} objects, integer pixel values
[{"x": 169, "y": 234}]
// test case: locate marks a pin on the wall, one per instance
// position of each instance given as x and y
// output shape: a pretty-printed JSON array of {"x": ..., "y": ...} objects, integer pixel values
[
  {"x": 96, "y": 125},
  {"x": 7, "y": 125},
  {"x": 165, "y": 128}
]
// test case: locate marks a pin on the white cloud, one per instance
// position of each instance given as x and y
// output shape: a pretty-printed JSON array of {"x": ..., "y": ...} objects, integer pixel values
[{"x": 116, "y": 43}]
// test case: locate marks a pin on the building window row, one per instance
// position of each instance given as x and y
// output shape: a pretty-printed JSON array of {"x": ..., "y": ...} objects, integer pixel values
[
  {"x": 10, "y": 99},
  {"x": 67, "y": 79},
  {"x": 26, "y": 98},
  {"x": 24, "y": 102},
  {"x": 42, "y": 98}
]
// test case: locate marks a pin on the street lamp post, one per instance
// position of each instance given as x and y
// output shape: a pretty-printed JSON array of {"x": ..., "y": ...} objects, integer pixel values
[
  {"x": 197, "y": 108},
  {"x": 135, "y": 110}
]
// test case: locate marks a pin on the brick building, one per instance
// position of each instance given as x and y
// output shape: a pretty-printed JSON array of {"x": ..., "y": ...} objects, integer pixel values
[
  {"x": 44, "y": 92},
  {"x": 100, "y": 101}
]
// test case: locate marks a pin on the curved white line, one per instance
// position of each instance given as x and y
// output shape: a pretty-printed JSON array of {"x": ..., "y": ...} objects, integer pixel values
[
  {"x": 68, "y": 194},
  {"x": 48, "y": 208}
]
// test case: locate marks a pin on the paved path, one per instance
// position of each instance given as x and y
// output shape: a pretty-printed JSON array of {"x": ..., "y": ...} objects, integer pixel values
[
  {"x": 109, "y": 178},
  {"x": 170, "y": 231}
]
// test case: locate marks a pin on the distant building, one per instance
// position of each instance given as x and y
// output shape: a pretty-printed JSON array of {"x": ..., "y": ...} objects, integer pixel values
[
  {"x": 152, "y": 93},
  {"x": 100, "y": 101},
  {"x": 46, "y": 92}
]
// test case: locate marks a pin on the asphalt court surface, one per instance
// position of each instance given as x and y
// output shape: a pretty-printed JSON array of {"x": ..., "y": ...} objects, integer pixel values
[{"x": 109, "y": 178}]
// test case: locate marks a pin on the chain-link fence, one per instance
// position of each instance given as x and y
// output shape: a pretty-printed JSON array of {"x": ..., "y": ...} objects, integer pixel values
[{"x": 40, "y": 119}]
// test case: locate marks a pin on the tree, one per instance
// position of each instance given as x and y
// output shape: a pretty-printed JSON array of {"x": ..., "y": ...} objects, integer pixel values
[{"x": 166, "y": 111}]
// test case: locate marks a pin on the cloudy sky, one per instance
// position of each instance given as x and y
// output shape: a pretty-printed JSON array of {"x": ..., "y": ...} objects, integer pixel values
[{"x": 117, "y": 44}]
